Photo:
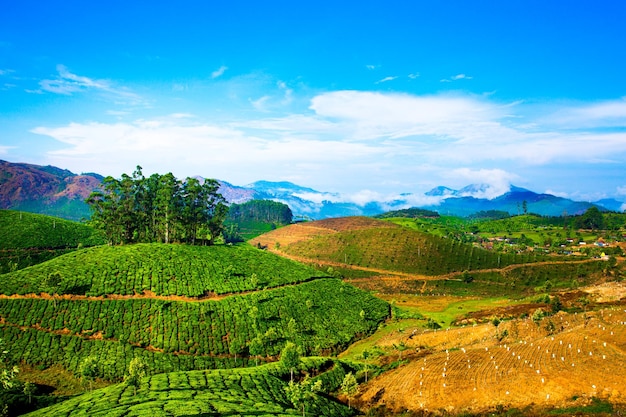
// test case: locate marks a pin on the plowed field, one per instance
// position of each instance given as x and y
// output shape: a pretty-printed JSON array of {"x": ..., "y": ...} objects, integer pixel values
[{"x": 475, "y": 369}]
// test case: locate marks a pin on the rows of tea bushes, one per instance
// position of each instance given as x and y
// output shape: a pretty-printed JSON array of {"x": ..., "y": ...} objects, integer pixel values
[
  {"x": 43, "y": 349},
  {"x": 15, "y": 259},
  {"x": 319, "y": 316},
  {"x": 400, "y": 249},
  {"x": 28, "y": 239},
  {"x": 256, "y": 391},
  {"x": 22, "y": 230},
  {"x": 160, "y": 268}
]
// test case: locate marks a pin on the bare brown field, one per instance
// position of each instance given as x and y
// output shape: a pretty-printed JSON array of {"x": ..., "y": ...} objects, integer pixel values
[
  {"x": 475, "y": 369},
  {"x": 288, "y": 235}
]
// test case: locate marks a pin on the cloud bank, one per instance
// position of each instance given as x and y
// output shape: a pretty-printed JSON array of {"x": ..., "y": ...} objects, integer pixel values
[{"x": 349, "y": 141}]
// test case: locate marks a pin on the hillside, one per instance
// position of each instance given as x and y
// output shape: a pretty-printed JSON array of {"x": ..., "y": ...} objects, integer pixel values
[
  {"x": 242, "y": 392},
  {"x": 178, "y": 307},
  {"x": 567, "y": 362},
  {"x": 364, "y": 243},
  {"x": 48, "y": 190},
  {"x": 162, "y": 269},
  {"x": 27, "y": 239},
  {"x": 22, "y": 230}
]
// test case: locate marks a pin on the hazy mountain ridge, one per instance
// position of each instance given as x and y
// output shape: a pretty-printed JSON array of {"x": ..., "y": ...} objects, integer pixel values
[
  {"x": 45, "y": 189},
  {"x": 55, "y": 191}
]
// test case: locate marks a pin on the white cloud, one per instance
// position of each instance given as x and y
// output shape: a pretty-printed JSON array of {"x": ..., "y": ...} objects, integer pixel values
[
  {"x": 386, "y": 79},
  {"x": 372, "y": 67},
  {"x": 182, "y": 116},
  {"x": 344, "y": 140},
  {"x": 375, "y": 115},
  {"x": 68, "y": 83},
  {"x": 609, "y": 113},
  {"x": 5, "y": 149},
  {"x": 414, "y": 75},
  {"x": 561, "y": 194},
  {"x": 456, "y": 78},
  {"x": 219, "y": 72},
  {"x": 186, "y": 148},
  {"x": 260, "y": 103},
  {"x": 118, "y": 113},
  {"x": 498, "y": 181},
  {"x": 621, "y": 190}
]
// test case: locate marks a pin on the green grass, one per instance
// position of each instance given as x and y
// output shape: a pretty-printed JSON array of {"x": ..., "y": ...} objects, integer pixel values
[
  {"x": 164, "y": 269},
  {"x": 256, "y": 391},
  {"x": 21, "y": 230},
  {"x": 597, "y": 407},
  {"x": 250, "y": 229}
]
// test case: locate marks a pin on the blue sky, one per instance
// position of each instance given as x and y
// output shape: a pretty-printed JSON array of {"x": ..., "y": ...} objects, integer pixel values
[{"x": 368, "y": 100}]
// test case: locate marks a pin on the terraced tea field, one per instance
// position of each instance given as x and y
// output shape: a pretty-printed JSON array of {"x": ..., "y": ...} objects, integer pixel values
[
  {"x": 256, "y": 391},
  {"x": 160, "y": 302}
]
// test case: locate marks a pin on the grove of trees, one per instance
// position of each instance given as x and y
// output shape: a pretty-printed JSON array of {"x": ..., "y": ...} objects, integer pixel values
[
  {"x": 159, "y": 208},
  {"x": 267, "y": 211}
]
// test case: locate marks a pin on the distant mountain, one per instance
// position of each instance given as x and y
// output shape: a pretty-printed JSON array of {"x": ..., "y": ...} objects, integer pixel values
[
  {"x": 45, "y": 189},
  {"x": 512, "y": 202},
  {"x": 441, "y": 191},
  {"x": 236, "y": 194},
  {"x": 611, "y": 204},
  {"x": 59, "y": 192}
]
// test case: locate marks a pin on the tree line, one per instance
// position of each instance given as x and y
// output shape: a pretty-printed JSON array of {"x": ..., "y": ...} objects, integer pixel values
[
  {"x": 159, "y": 208},
  {"x": 266, "y": 211}
]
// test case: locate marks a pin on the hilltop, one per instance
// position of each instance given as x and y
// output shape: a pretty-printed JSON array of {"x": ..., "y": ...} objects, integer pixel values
[{"x": 361, "y": 243}]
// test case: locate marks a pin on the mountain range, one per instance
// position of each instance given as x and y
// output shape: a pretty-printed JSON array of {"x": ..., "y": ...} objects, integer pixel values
[{"x": 59, "y": 192}]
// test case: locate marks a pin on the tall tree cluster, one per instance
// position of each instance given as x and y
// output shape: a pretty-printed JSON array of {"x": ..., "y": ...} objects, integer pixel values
[
  {"x": 261, "y": 210},
  {"x": 159, "y": 208}
]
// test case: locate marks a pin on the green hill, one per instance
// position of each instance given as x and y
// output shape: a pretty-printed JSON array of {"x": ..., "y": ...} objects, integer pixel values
[
  {"x": 163, "y": 269},
  {"x": 21, "y": 230},
  {"x": 402, "y": 250},
  {"x": 27, "y": 239},
  {"x": 159, "y": 302},
  {"x": 258, "y": 391}
]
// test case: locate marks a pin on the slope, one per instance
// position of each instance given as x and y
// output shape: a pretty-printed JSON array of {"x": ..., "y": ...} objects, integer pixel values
[
  {"x": 356, "y": 243},
  {"x": 160, "y": 302},
  {"x": 22, "y": 230},
  {"x": 243, "y": 392},
  {"x": 563, "y": 360},
  {"x": 45, "y": 189},
  {"x": 27, "y": 239}
]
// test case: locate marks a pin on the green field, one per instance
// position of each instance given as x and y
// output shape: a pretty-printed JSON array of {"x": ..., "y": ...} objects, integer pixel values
[
  {"x": 164, "y": 269},
  {"x": 259, "y": 391},
  {"x": 210, "y": 322}
]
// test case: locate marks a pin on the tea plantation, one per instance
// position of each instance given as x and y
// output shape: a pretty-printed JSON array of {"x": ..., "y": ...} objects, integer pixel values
[
  {"x": 164, "y": 269},
  {"x": 256, "y": 391},
  {"x": 28, "y": 239}
]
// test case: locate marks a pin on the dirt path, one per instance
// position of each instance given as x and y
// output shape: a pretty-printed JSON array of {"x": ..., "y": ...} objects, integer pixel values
[{"x": 149, "y": 295}]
